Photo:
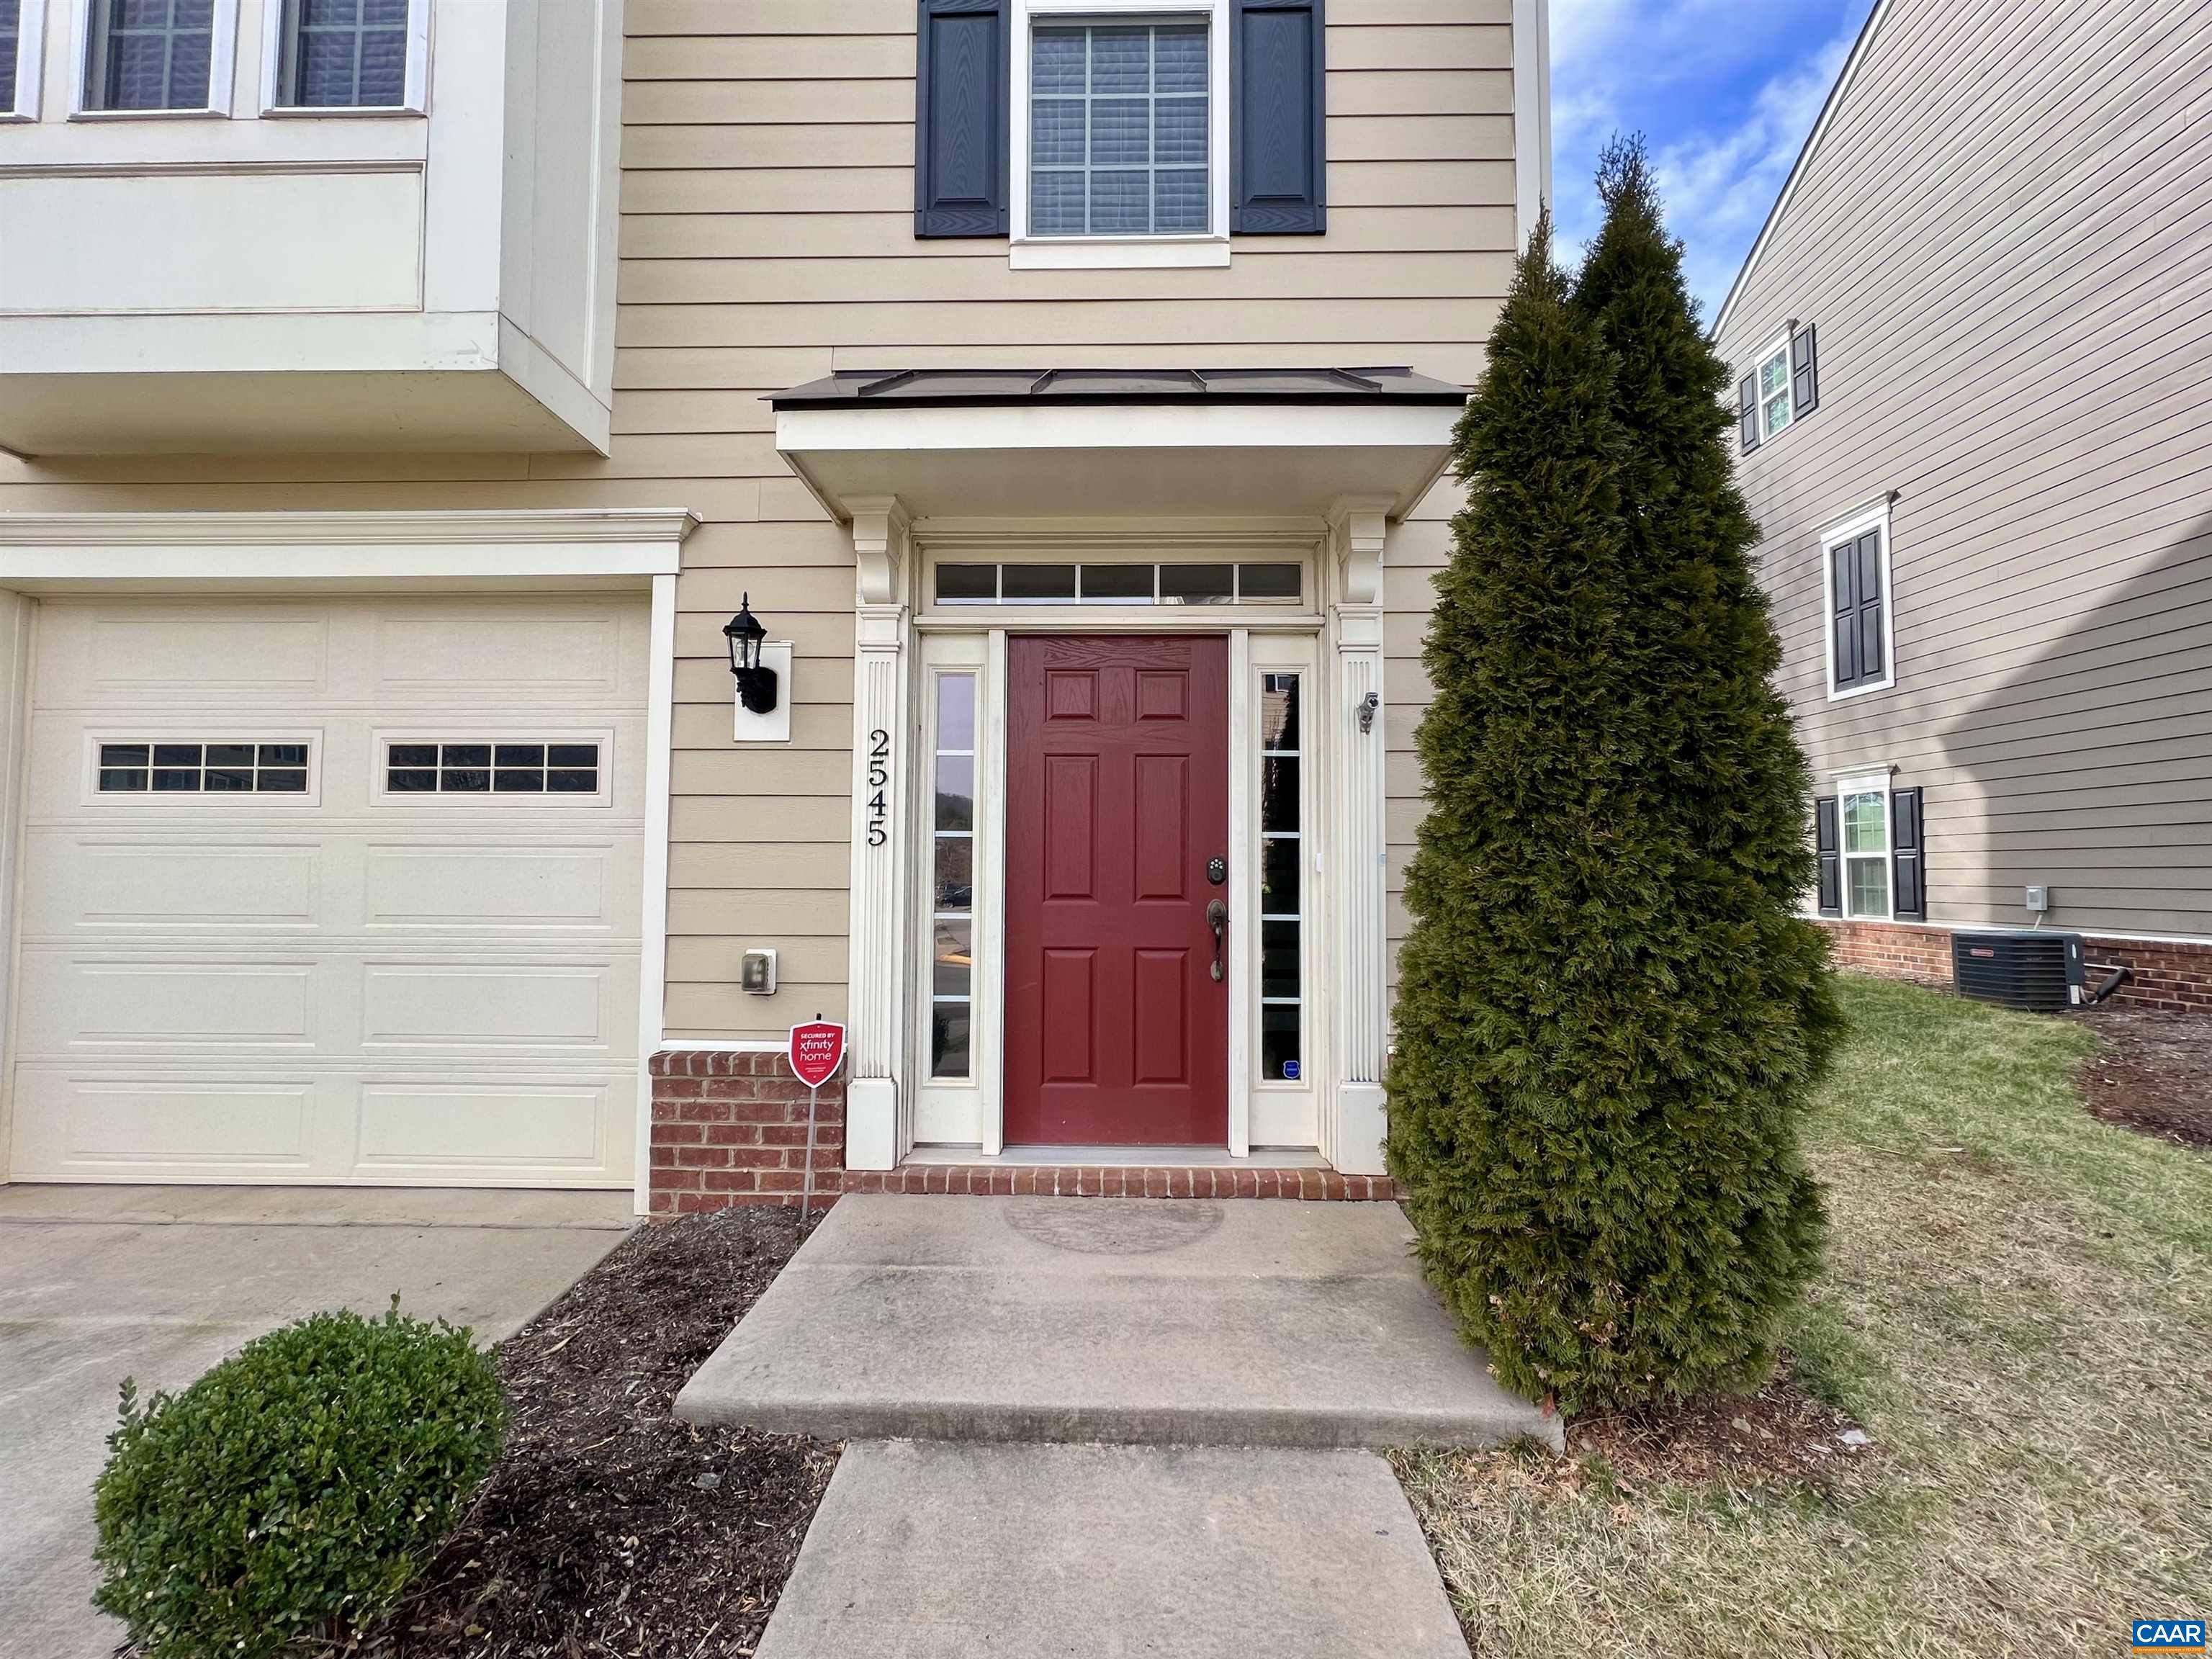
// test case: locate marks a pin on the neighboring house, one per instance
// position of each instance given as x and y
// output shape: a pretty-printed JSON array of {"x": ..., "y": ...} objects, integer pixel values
[
  {"x": 1973, "y": 434},
  {"x": 1064, "y": 386}
]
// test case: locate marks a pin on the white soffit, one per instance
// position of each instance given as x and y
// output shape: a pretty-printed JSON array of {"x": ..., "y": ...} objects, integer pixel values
[{"x": 1144, "y": 460}]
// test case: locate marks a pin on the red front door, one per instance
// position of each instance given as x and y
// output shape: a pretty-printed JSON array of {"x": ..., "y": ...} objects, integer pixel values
[{"x": 1117, "y": 786}]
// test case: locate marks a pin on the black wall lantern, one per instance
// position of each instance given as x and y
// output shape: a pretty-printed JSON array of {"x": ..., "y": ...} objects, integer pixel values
[{"x": 756, "y": 684}]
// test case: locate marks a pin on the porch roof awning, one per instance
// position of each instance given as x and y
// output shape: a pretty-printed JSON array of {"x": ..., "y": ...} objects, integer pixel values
[{"x": 1123, "y": 443}]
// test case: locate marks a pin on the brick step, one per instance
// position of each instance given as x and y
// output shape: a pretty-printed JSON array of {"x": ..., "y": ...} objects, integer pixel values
[{"x": 1121, "y": 1180}]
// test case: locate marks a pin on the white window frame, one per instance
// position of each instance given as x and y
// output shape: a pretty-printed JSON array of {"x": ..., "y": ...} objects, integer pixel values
[
  {"x": 1282, "y": 1112},
  {"x": 1028, "y": 252},
  {"x": 223, "y": 62},
  {"x": 1768, "y": 432},
  {"x": 20, "y": 102},
  {"x": 1876, "y": 516},
  {"x": 1171, "y": 546},
  {"x": 415, "y": 102},
  {"x": 961, "y": 1111},
  {"x": 203, "y": 732},
  {"x": 382, "y": 794},
  {"x": 1848, "y": 789}
]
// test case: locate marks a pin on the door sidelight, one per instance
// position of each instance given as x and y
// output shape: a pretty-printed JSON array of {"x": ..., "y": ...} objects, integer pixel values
[{"x": 1216, "y": 918}]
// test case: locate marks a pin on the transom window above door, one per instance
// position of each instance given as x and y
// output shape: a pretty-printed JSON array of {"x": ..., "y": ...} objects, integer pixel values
[
  {"x": 1120, "y": 584},
  {"x": 1119, "y": 123}
]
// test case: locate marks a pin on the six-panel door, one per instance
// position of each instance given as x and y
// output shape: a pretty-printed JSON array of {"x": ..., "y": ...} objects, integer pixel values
[{"x": 1117, "y": 783}]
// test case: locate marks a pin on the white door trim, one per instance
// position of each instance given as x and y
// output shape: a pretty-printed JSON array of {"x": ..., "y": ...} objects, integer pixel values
[
  {"x": 652, "y": 959},
  {"x": 1353, "y": 1121},
  {"x": 1242, "y": 953}
]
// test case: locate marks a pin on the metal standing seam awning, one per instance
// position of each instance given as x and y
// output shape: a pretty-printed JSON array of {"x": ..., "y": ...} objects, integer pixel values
[{"x": 1121, "y": 443}]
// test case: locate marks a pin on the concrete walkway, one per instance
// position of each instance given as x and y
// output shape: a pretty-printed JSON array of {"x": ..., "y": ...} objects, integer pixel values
[
  {"x": 938, "y": 1551},
  {"x": 98, "y": 1283},
  {"x": 1138, "y": 1321},
  {"x": 1109, "y": 1427}
]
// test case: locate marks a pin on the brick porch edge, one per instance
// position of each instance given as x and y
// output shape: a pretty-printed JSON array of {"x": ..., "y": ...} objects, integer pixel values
[
  {"x": 730, "y": 1130},
  {"x": 2172, "y": 976},
  {"x": 1142, "y": 1181}
]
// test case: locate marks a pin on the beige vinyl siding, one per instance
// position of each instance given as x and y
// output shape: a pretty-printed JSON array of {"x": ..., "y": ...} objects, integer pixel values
[
  {"x": 768, "y": 238},
  {"x": 2004, "y": 241}
]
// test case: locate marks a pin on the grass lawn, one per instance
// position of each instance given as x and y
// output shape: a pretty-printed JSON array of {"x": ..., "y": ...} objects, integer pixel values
[{"x": 2017, "y": 1305}]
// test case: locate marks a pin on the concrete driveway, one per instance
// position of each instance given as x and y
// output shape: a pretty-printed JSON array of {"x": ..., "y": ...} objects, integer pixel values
[{"x": 158, "y": 1283}]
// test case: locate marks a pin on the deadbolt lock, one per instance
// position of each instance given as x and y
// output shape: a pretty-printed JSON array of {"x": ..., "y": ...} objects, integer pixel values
[{"x": 1217, "y": 871}]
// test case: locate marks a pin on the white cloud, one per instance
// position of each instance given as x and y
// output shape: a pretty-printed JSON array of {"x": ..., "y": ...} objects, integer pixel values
[{"x": 1656, "y": 66}]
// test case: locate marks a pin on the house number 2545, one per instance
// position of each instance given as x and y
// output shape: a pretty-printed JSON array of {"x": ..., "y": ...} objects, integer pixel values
[{"x": 879, "y": 778}]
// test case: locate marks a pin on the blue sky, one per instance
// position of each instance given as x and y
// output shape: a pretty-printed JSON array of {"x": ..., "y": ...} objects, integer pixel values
[{"x": 1725, "y": 91}]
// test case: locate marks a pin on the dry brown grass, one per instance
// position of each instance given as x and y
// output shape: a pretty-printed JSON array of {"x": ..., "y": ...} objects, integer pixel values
[{"x": 2017, "y": 1305}]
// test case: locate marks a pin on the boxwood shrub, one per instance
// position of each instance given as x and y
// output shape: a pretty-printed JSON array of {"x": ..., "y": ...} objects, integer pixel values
[{"x": 288, "y": 1497}]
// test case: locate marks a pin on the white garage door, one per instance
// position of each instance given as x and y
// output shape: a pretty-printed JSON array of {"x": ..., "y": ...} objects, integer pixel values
[{"x": 337, "y": 890}]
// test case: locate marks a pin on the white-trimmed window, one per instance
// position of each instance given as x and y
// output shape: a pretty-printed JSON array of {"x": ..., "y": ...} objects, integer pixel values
[
  {"x": 1119, "y": 133},
  {"x": 1863, "y": 803},
  {"x": 345, "y": 57},
  {"x": 1282, "y": 879},
  {"x": 1774, "y": 407},
  {"x": 157, "y": 57},
  {"x": 1116, "y": 582},
  {"x": 952, "y": 877},
  {"x": 1782, "y": 388},
  {"x": 21, "y": 57},
  {"x": 1856, "y": 584}
]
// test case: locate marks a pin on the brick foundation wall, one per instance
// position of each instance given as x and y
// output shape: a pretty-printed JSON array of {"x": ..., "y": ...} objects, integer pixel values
[
  {"x": 1920, "y": 954},
  {"x": 732, "y": 1129},
  {"x": 2173, "y": 976},
  {"x": 2166, "y": 975}
]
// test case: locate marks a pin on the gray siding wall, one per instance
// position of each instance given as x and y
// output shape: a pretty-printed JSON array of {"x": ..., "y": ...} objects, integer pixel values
[{"x": 2005, "y": 240}]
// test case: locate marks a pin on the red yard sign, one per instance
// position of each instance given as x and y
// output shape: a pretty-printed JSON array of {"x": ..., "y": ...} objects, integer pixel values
[{"x": 817, "y": 1049}]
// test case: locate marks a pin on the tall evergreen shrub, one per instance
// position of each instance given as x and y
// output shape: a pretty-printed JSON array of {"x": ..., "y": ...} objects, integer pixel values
[{"x": 1610, "y": 1015}]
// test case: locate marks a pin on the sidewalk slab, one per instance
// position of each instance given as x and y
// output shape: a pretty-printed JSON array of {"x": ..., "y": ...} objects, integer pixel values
[
  {"x": 1142, "y": 1320},
  {"x": 938, "y": 1551}
]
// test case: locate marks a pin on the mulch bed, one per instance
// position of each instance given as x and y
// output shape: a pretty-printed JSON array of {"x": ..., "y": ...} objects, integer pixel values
[
  {"x": 1780, "y": 1436},
  {"x": 2152, "y": 1072},
  {"x": 608, "y": 1527}
]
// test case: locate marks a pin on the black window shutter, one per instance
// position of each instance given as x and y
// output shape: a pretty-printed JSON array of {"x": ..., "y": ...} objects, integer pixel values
[
  {"x": 1804, "y": 374},
  {"x": 1278, "y": 160},
  {"x": 1842, "y": 591},
  {"x": 1873, "y": 626},
  {"x": 1907, "y": 856},
  {"x": 1828, "y": 843},
  {"x": 960, "y": 89},
  {"x": 1747, "y": 401}
]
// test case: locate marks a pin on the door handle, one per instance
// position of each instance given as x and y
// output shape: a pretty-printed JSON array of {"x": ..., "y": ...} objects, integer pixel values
[{"x": 1216, "y": 918}]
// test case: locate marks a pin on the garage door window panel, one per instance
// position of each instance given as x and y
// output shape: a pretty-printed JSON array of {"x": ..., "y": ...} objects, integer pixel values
[
  {"x": 233, "y": 767},
  {"x": 479, "y": 768}
]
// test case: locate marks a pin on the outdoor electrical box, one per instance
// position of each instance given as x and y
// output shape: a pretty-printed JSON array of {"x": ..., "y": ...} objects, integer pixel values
[
  {"x": 2038, "y": 900},
  {"x": 756, "y": 976}
]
